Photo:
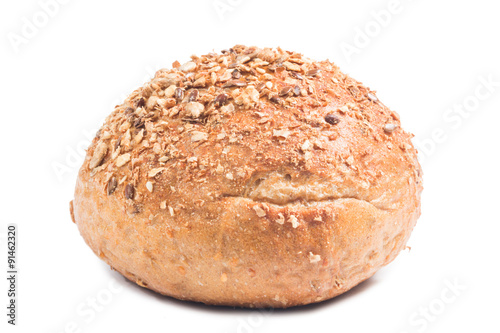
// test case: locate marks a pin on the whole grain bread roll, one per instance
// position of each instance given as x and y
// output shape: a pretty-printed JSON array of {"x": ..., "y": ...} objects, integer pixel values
[{"x": 252, "y": 178}]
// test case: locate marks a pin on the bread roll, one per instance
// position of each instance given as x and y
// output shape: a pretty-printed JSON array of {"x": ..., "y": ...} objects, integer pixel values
[{"x": 251, "y": 178}]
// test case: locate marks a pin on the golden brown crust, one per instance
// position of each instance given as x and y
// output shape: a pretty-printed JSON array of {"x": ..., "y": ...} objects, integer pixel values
[{"x": 256, "y": 177}]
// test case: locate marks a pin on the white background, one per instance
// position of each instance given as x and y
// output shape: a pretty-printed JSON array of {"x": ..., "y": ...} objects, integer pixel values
[{"x": 429, "y": 58}]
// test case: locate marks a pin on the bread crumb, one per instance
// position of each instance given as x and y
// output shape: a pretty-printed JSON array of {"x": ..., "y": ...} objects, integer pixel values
[
  {"x": 163, "y": 205},
  {"x": 389, "y": 128},
  {"x": 259, "y": 211},
  {"x": 126, "y": 139},
  {"x": 161, "y": 102},
  {"x": 219, "y": 169},
  {"x": 313, "y": 258},
  {"x": 318, "y": 145},
  {"x": 122, "y": 159},
  {"x": 171, "y": 211},
  {"x": 195, "y": 109},
  {"x": 223, "y": 277},
  {"x": 138, "y": 138},
  {"x": 124, "y": 126},
  {"x": 201, "y": 82},
  {"x": 228, "y": 108},
  {"x": 229, "y": 176},
  {"x": 240, "y": 172},
  {"x": 170, "y": 91},
  {"x": 153, "y": 172},
  {"x": 233, "y": 138},
  {"x": 294, "y": 221},
  {"x": 281, "y": 133},
  {"x": 149, "y": 186},
  {"x": 157, "y": 148},
  {"x": 405, "y": 146},
  {"x": 306, "y": 146},
  {"x": 151, "y": 102},
  {"x": 281, "y": 219},
  {"x": 188, "y": 67},
  {"x": 291, "y": 67},
  {"x": 199, "y": 136},
  {"x": 99, "y": 153},
  {"x": 307, "y": 155}
]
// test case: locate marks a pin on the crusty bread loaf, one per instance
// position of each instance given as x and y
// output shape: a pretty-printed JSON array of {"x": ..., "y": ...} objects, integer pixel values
[{"x": 253, "y": 178}]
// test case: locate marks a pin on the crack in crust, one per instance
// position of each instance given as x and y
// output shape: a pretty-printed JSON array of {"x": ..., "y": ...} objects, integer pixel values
[
  {"x": 281, "y": 189},
  {"x": 307, "y": 203}
]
